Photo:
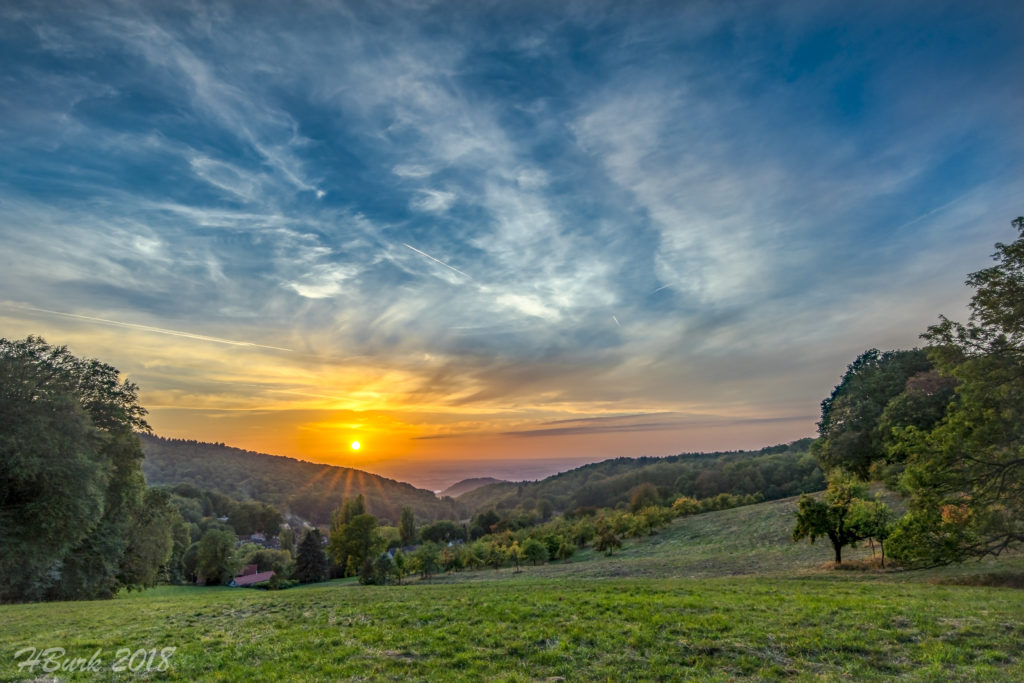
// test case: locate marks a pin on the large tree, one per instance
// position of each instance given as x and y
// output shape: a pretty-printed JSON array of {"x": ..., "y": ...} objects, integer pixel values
[
  {"x": 851, "y": 415},
  {"x": 310, "y": 560},
  {"x": 353, "y": 542},
  {"x": 151, "y": 540},
  {"x": 70, "y": 472},
  {"x": 965, "y": 476},
  {"x": 216, "y": 556}
]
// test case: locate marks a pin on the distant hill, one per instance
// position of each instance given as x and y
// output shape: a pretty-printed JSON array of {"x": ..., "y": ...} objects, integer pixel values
[
  {"x": 774, "y": 472},
  {"x": 467, "y": 485},
  {"x": 306, "y": 489}
]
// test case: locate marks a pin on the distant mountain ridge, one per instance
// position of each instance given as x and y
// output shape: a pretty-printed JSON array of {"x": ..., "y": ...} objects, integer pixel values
[
  {"x": 310, "y": 490},
  {"x": 467, "y": 485}
]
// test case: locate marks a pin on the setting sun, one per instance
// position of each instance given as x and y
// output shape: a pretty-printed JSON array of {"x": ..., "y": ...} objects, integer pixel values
[{"x": 355, "y": 445}]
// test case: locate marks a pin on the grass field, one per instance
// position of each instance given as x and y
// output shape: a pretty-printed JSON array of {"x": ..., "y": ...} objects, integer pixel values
[{"x": 722, "y": 596}]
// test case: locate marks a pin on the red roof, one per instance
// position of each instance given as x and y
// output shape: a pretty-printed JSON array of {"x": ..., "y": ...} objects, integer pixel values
[{"x": 250, "y": 579}]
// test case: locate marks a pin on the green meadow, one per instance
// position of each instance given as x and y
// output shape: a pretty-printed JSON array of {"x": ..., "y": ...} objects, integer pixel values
[{"x": 719, "y": 596}]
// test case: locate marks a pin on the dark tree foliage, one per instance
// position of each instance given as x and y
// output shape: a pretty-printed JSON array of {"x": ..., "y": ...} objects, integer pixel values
[
  {"x": 484, "y": 523},
  {"x": 644, "y": 495},
  {"x": 151, "y": 540},
  {"x": 407, "y": 527},
  {"x": 215, "y": 556},
  {"x": 249, "y": 517},
  {"x": 353, "y": 538},
  {"x": 965, "y": 476},
  {"x": 70, "y": 476},
  {"x": 311, "y": 560},
  {"x": 850, "y": 416},
  {"x": 443, "y": 531}
]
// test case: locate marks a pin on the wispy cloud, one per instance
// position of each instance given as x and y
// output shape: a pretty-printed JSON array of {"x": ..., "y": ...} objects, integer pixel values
[{"x": 150, "y": 328}]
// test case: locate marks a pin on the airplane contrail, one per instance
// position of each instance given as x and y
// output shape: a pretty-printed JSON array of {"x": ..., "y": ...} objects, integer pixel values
[
  {"x": 660, "y": 288},
  {"x": 423, "y": 253},
  {"x": 150, "y": 328},
  {"x": 616, "y": 321}
]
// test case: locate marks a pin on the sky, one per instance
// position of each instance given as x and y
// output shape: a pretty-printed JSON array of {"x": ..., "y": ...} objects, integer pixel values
[{"x": 499, "y": 238}]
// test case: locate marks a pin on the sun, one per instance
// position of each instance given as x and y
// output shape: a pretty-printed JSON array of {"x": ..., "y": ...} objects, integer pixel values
[{"x": 356, "y": 445}]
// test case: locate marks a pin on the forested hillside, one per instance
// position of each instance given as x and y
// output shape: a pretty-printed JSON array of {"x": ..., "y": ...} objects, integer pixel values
[
  {"x": 309, "y": 490},
  {"x": 773, "y": 472},
  {"x": 467, "y": 485}
]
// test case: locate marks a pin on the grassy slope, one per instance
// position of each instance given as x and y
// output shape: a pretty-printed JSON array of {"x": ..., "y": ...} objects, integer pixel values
[{"x": 584, "y": 620}]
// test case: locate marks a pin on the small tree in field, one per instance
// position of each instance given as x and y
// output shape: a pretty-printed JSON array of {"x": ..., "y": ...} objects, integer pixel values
[
  {"x": 873, "y": 520},
  {"x": 401, "y": 566},
  {"x": 831, "y": 517},
  {"x": 535, "y": 551},
  {"x": 427, "y": 559}
]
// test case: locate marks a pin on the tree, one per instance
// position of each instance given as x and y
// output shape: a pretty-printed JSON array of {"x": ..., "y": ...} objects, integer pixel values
[
  {"x": 535, "y": 551},
  {"x": 407, "y": 527},
  {"x": 310, "y": 559},
  {"x": 544, "y": 509},
  {"x": 401, "y": 565},
  {"x": 830, "y": 517},
  {"x": 216, "y": 556},
  {"x": 267, "y": 559},
  {"x": 583, "y": 532},
  {"x": 443, "y": 531},
  {"x": 249, "y": 517},
  {"x": 339, "y": 535},
  {"x": 644, "y": 495},
  {"x": 515, "y": 553},
  {"x": 286, "y": 539},
  {"x": 70, "y": 474},
  {"x": 353, "y": 507},
  {"x": 486, "y": 522},
  {"x": 849, "y": 426},
  {"x": 377, "y": 571},
  {"x": 427, "y": 558},
  {"x": 496, "y": 555},
  {"x": 150, "y": 540},
  {"x": 354, "y": 542},
  {"x": 965, "y": 476},
  {"x": 565, "y": 550},
  {"x": 873, "y": 520},
  {"x": 177, "y": 571},
  {"x": 685, "y": 506},
  {"x": 607, "y": 541},
  {"x": 607, "y": 535}
]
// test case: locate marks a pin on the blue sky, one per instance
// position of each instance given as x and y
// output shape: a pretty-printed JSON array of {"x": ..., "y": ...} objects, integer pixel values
[{"x": 499, "y": 230}]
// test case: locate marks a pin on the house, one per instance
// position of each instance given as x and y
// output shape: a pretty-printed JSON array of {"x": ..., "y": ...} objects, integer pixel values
[{"x": 249, "y": 576}]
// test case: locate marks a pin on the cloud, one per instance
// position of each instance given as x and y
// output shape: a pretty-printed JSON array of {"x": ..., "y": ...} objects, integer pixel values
[
  {"x": 323, "y": 281},
  {"x": 150, "y": 328},
  {"x": 434, "y": 201}
]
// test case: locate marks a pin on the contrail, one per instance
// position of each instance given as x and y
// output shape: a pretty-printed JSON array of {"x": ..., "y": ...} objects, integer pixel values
[
  {"x": 158, "y": 330},
  {"x": 421, "y": 253},
  {"x": 660, "y": 288},
  {"x": 616, "y": 321}
]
